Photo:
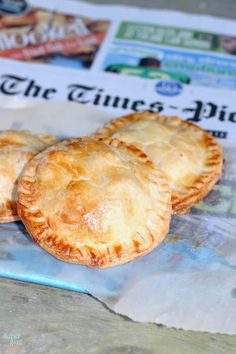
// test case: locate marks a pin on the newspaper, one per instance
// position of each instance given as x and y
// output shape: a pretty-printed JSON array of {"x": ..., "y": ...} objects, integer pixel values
[
  {"x": 114, "y": 60},
  {"x": 150, "y": 44}
]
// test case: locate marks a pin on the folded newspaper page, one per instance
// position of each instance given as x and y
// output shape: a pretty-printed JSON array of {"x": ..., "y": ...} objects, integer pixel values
[
  {"x": 150, "y": 44},
  {"x": 212, "y": 109},
  {"x": 189, "y": 281}
]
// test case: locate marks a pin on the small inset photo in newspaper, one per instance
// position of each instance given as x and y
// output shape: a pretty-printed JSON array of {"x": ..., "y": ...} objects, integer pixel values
[{"x": 43, "y": 35}]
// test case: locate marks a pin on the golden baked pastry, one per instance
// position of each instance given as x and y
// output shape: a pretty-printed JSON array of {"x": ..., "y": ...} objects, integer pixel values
[
  {"x": 94, "y": 203},
  {"x": 188, "y": 155},
  {"x": 16, "y": 149}
]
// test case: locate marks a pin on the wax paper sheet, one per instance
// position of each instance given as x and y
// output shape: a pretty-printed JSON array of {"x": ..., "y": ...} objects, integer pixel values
[{"x": 188, "y": 282}]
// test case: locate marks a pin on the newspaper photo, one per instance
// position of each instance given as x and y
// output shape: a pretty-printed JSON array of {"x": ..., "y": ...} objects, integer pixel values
[
  {"x": 48, "y": 35},
  {"x": 184, "y": 55}
]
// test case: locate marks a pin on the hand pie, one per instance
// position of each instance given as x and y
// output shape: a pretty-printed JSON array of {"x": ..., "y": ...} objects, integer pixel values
[
  {"x": 94, "y": 203},
  {"x": 16, "y": 149},
  {"x": 188, "y": 155}
]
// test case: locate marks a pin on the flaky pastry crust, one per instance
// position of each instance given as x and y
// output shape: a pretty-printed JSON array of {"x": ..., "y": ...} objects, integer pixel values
[
  {"x": 94, "y": 203},
  {"x": 16, "y": 149},
  {"x": 190, "y": 157}
]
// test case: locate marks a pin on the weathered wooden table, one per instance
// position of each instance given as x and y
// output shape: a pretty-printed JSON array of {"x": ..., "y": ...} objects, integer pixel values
[{"x": 39, "y": 319}]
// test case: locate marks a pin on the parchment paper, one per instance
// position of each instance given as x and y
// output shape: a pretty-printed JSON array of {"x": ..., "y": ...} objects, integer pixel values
[{"x": 188, "y": 282}]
